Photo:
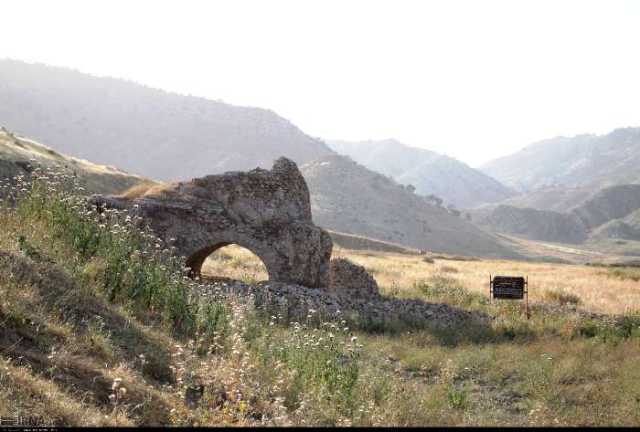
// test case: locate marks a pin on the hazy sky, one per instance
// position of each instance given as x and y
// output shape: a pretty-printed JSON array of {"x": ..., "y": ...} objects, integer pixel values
[{"x": 472, "y": 79}]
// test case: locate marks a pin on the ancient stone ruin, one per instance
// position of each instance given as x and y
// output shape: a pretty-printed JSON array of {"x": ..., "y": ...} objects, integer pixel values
[
  {"x": 269, "y": 213},
  {"x": 351, "y": 279},
  {"x": 265, "y": 211}
]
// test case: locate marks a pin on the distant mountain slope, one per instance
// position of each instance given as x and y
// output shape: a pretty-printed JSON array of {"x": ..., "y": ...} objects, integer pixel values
[
  {"x": 428, "y": 172},
  {"x": 143, "y": 130},
  {"x": 613, "y": 212},
  {"x": 594, "y": 161},
  {"x": 356, "y": 242},
  {"x": 349, "y": 198},
  {"x": 610, "y": 203},
  {"x": 554, "y": 198},
  {"x": 627, "y": 228},
  {"x": 542, "y": 225},
  {"x": 19, "y": 155}
]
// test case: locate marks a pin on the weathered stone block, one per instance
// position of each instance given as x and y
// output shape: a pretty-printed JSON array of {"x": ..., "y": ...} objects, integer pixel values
[{"x": 351, "y": 279}]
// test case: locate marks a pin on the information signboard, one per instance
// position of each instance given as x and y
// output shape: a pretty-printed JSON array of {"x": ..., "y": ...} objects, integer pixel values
[{"x": 508, "y": 287}]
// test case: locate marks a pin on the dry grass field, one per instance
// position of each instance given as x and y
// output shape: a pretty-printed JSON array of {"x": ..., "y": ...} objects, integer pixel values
[
  {"x": 595, "y": 289},
  {"x": 557, "y": 368}
]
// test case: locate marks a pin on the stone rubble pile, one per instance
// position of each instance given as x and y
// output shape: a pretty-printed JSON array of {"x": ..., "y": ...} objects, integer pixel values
[{"x": 296, "y": 303}]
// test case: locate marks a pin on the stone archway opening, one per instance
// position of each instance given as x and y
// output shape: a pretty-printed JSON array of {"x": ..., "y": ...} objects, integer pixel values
[{"x": 229, "y": 262}]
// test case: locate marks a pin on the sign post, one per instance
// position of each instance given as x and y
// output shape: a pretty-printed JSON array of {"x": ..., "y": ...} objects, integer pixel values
[{"x": 510, "y": 288}]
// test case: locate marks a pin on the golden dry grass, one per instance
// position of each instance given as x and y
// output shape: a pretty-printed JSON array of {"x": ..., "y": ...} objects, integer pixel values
[
  {"x": 598, "y": 288},
  {"x": 539, "y": 372},
  {"x": 235, "y": 262},
  {"x": 148, "y": 187}
]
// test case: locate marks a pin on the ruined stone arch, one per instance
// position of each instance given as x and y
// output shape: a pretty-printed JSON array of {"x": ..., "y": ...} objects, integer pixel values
[{"x": 265, "y": 211}]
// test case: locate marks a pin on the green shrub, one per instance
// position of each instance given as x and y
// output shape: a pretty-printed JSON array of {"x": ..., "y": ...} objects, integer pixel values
[
  {"x": 457, "y": 399},
  {"x": 212, "y": 328},
  {"x": 612, "y": 330}
]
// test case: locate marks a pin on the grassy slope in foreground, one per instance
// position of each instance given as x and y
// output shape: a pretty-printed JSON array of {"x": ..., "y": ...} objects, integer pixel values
[{"x": 84, "y": 318}]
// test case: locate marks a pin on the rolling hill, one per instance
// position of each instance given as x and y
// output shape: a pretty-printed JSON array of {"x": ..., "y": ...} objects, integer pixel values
[
  {"x": 554, "y": 198},
  {"x": 627, "y": 228},
  {"x": 165, "y": 136},
  {"x": 350, "y": 198},
  {"x": 429, "y": 172},
  {"x": 603, "y": 220},
  {"x": 19, "y": 155},
  {"x": 532, "y": 224}
]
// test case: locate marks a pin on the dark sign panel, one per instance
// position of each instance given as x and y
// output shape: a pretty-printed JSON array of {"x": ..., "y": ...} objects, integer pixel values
[{"x": 508, "y": 287}]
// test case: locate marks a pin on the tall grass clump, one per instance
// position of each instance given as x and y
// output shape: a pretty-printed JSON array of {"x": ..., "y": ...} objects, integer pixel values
[
  {"x": 323, "y": 364},
  {"x": 625, "y": 273},
  {"x": 612, "y": 330},
  {"x": 450, "y": 290},
  {"x": 561, "y": 297}
]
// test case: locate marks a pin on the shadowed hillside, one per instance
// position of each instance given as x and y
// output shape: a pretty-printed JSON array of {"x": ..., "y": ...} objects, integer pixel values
[
  {"x": 535, "y": 224},
  {"x": 612, "y": 213},
  {"x": 554, "y": 198},
  {"x": 151, "y": 132},
  {"x": 608, "y": 204},
  {"x": 626, "y": 228}
]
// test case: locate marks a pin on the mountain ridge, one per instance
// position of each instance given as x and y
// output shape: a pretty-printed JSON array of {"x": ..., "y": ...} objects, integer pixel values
[
  {"x": 181, "y": 136},
  {"x": 429, "y": 172},
  {"x": 586, "y": 160}
]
